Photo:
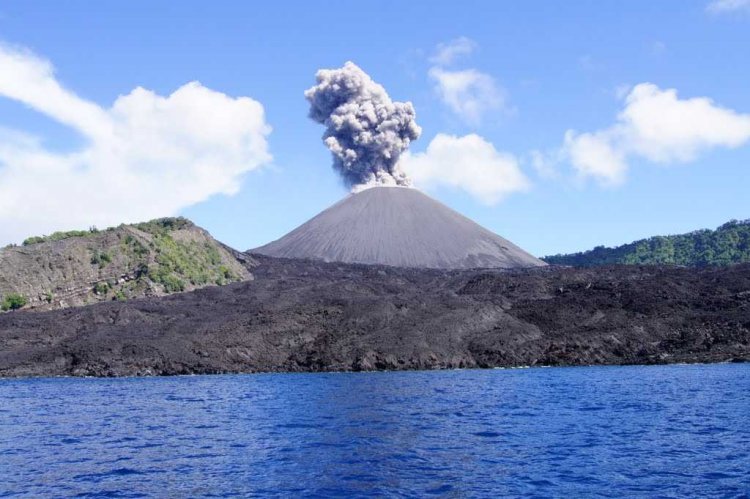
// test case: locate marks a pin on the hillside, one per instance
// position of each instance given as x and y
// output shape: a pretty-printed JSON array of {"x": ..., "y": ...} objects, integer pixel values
[
  {"x": 311, "y": 316},
  {"x": 727, "y": 245},
  {"x": 148, "y": 259}
]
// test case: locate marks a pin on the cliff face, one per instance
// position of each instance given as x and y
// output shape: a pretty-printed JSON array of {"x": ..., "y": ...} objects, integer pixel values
[
  {"x": 308, "y": 316},
  {"x": 129, "y": 261}
]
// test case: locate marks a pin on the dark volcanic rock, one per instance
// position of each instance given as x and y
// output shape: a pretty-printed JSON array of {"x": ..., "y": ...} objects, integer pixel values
[{"x": 310, "y": 316}]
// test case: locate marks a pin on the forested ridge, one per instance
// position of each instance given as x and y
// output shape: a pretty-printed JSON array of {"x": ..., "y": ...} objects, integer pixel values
[{"x": 727, "y": 245}]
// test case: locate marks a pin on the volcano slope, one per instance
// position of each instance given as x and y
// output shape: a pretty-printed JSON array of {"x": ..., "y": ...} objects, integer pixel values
[
  {"x": 399, "y": 227},
  {"x": 312, "y": 316}
]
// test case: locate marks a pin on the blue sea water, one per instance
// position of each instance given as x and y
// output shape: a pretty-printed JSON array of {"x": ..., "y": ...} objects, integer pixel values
[{"x": 671, "y": 431}]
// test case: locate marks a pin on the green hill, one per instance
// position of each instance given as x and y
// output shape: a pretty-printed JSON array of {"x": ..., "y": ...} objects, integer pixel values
[
  {"x": 727, "y": 245},
  {"x": 74, "y": 268}
]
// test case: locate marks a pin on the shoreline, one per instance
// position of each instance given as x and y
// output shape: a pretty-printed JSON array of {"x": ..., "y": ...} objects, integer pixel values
[{"x": 731, "y": 361}]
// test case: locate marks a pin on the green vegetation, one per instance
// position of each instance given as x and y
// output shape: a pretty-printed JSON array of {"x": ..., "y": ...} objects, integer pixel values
[
  {"x": 176, "y": 263},
  {"x": 59, "y": 236},
  {"x": 158, "y": 226},
  {"x": 729, "y": 244},
  {"x": 179, "y": 262},
  {"x": 162, "y": 226},
  {"x": 169, "y": 254},
  {"x": 171, "y": 283},
  {"x": 134, "y": 246},
  {"x": 225, "y": 276},
  {"x": 100, "y": 258},
  {"x": 13, "y": 301}
]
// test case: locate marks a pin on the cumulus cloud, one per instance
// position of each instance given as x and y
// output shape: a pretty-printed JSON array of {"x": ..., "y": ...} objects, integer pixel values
[
  {"x": 447, "y": 53},
  {"x": 593, "y": 154},
  {"x": 469, "y": 93},
  {"x": 724, "y": 6},
  {"x": 470, "y": 163},
  {"x": 658, "y": 126},
  {"x": 365, "y": 130},
  {"x": 145, "y": 156},
  {"x": 545, "y": 165}
]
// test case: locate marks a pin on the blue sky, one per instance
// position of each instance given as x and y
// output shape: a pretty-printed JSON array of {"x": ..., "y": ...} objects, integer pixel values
[{"x": 548, "y": 68}]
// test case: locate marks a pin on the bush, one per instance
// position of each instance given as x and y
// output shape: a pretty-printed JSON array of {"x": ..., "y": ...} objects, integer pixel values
[
  {"x": 101, "y": 288},
  {"x": 13, "y": 301},
  {"x": 172, "y": 284},
  {"x": 58, "y": 236},
  {"x": 162, "y": 226},
  {"x": 100, "y": 258},
  {"x": 225, "y": 272},
  {"x": 135, "y": 246},
  {"x": 33, "y": 240}
]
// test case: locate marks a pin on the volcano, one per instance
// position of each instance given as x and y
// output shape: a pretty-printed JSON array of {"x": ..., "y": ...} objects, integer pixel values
[{"x": 400, "y": 227}]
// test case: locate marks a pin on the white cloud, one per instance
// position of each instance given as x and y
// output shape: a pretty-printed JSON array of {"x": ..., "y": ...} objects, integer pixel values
[
  {"x": 469, "y": 93},
  {"x": 663, "y": 128},
  {"x": 722, "y": 6},
  {"x": 447, "y": 53},
  {"x": 545, "y": 165},
  {"x": 592, "y": 154},
  {"x": 658, "y": 126},
  {"x": 146, "y": 156},
  {"x": 622, "y": 91},
  {"x": 469, "y": 163}
]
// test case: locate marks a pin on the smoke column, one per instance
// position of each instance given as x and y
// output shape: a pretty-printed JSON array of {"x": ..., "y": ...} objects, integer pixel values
[{"x": 365, "y": 130}]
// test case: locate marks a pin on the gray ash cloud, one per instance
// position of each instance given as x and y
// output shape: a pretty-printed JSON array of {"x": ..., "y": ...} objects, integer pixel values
[{"x": 365, "y": 130}]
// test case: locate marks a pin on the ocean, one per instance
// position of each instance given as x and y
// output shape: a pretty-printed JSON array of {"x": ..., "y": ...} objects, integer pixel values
[{"x": 670, "y": 431}]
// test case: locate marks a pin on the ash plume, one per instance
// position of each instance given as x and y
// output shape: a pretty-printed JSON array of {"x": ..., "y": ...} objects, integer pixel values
[{"x": 365, "y": 130}]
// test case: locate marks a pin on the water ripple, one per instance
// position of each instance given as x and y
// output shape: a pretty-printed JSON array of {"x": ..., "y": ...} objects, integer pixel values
[{"x": 668, "y": 431}]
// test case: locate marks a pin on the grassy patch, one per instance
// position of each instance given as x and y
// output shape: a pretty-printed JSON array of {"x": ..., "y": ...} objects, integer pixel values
[
  {"x": 180, "y": 262},
  {"x": 100, "y": 258},
  {"x": 59, "y": 236},
  {"x": 162, "y": 226},
  {"x": 13, "y": 301}
]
